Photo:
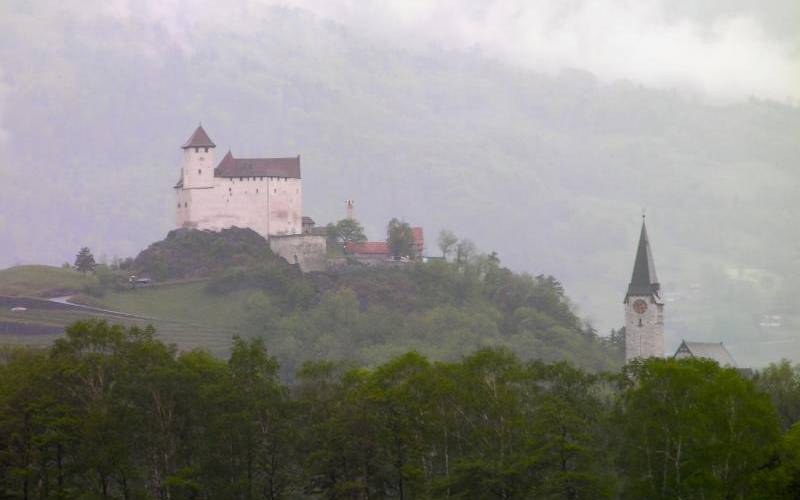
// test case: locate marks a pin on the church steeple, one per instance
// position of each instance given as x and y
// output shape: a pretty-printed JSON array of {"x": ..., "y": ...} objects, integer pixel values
[
  {"x": 643, "y": 280},
  {"x": 644, "y": 309}
]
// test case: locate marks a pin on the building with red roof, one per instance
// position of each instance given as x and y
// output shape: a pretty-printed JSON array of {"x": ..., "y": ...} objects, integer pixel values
[{"x": 379, "y": 250}]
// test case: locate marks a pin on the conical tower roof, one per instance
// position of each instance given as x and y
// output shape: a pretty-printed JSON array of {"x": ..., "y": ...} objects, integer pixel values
[
  {"x": 199, "y": 139},
  {"x": 643, "y": 280}
]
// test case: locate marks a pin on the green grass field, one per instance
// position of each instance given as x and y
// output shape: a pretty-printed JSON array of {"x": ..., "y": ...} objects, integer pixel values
[
  {"x": 183, "y": 314},
  {"x": 41, "y": 281},
  {"x": 187, "y": 303}
]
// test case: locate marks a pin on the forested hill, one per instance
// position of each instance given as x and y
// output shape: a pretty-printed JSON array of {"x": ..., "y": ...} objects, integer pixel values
[
  {"x": 358, "y": 314},
  {"x": 550, "y": 171}
]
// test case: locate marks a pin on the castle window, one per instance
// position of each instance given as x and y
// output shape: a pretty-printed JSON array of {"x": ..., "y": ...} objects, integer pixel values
[
  {"x": 275, "y": 190},
  {"x": 205, "y": 149},
  {"x": 241, "y": 179},
  {"x": 256, "y": 190},
  {"x": 185, "y": 204},
  {"x": 199, "y": 172},
  {"x": 196, "y": 150}
]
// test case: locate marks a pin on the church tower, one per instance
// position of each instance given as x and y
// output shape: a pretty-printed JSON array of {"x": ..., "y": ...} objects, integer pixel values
[
  {"x": 644, "y": 309},
  {"x": 197, "y": 170}
]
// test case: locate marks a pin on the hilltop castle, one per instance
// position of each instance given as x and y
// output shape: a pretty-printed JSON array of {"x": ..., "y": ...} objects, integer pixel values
[{"x": 263, "y": 194}]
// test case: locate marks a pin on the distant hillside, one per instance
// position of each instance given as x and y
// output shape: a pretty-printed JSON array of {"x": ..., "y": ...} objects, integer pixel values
[
  {"x": 43, "y": 281},
  {"x": 362, "y": 315},
  {"x": 551, "y": 171}
]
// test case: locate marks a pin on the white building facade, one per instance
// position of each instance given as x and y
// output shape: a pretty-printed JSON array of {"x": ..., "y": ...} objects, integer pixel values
[{"x": 263, "y": 194}]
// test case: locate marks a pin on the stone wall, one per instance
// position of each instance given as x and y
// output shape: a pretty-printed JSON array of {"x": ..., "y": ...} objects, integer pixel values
[{"x": 307, "y": 250}]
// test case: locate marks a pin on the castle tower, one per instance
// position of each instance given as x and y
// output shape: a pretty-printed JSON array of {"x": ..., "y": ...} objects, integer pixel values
[
  {"x": 197, "y": 170},
  {"x": 644, "y": 309}
]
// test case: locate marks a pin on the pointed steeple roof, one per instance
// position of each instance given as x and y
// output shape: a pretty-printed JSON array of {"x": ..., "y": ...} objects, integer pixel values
[
  {"x": 199, "y": 139},
  {"x": 644, "y": 280}
]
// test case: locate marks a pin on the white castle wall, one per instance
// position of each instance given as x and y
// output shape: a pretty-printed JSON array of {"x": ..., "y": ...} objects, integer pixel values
[
  {"x": 268, "y": 205},
  {"x": 647, "y": 340}
]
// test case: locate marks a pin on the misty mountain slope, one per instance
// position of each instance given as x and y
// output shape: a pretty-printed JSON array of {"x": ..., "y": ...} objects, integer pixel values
[{"x": 551, "y": 172}]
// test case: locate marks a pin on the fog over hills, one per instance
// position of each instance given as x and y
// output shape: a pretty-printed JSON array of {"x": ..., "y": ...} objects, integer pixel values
[{"x": 549, "y": 168}]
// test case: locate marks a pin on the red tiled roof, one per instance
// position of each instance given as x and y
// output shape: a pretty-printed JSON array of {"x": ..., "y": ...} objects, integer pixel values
[
  {"x": 199, "y": 139},
  {"x": 258, "y": 167},
  {"x": 367, "y": 247}
]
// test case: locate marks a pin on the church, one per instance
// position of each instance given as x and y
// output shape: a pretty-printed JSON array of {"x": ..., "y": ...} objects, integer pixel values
[
  {"x": 644, "y": 315},
  {"x": 264, "y": 194}
]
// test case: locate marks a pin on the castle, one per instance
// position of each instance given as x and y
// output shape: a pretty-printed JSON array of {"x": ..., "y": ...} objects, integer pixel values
[{"x": 264, "y": 194}]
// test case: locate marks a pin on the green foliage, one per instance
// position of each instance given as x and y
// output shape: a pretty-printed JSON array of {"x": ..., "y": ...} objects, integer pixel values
[
  {"x": 400, "y": 239},
  {"x": 84, "y": 261},
  {"x": 189, "y": 253},
  {"x": 782, "y": 382},
  {"x": 112, "y": 412},
  {"x": 691, "y": 428},
  {"x": 440, "y": 309},
  {"x": 346, "y": 230},
  {"x": 447, "y": 241}
]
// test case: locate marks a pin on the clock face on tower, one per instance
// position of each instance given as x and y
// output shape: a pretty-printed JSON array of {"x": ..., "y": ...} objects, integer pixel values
[{"x": 640, "y": 306}]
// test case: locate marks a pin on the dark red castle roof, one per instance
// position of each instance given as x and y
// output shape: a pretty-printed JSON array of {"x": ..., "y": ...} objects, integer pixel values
[
  {"x": 199, "y": 139},
  {"x": 258, "y": 167}
]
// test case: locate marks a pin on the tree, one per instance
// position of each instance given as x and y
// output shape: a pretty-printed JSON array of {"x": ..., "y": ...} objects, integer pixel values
[
  {"x": 781, "y": 381},
  {"x": 400, "y": 238},
  {"x": 447, "y": 242},
  {"x": 84, "y": 261},
  {"x": 346, "y": 230},
  {"x": 690, "y": 429},
  {"x": 465, "y": 249},
  {"x": 350, "y": 230}
]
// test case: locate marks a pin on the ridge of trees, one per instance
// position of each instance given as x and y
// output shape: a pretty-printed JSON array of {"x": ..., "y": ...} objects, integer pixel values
[{"x": 112, "y": 412}]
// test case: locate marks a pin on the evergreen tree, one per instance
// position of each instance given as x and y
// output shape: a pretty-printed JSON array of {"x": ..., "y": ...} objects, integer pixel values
[{"x": 84, "y": 261}]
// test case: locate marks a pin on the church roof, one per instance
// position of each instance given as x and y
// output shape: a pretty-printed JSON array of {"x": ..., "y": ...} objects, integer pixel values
[
  {"x": 709, "y": 350},
  {"x": 643, "y": 280},
  {"x": 199, "y": 139},
  {"x": 258, "y": 167}
]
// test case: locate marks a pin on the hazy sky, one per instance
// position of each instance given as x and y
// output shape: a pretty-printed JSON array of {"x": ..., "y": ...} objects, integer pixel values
[{"x": 725, "y": 49}]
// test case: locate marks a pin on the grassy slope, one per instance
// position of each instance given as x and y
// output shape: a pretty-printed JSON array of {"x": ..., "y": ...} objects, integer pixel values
[
  {"x": 184, "y": 314},
  {"x": 39, "y": 281},
  {"x": 187, "y": 303}
]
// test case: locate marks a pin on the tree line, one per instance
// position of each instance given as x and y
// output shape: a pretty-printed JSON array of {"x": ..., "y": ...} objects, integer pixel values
[{"x": 113, "y": 412}]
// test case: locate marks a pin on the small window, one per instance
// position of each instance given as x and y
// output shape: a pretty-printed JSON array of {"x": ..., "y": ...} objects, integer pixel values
[
  {"x": 199, "y": 172},
  {"x": 205, "y": 149},
  {"x": 256, "y": 190},
  {"x": 185, "y": 204},
  {"x": 275, "y": 190},
  {"x": 241, "y": 179},
  {"x": 196, "y": 150}
]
